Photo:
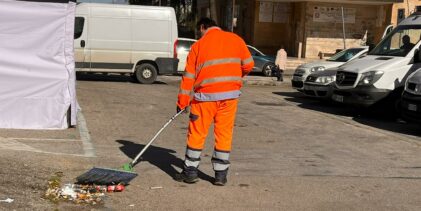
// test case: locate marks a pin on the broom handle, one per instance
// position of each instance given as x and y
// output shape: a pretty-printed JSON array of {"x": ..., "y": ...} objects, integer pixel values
[{"x": 156, "y": 135}]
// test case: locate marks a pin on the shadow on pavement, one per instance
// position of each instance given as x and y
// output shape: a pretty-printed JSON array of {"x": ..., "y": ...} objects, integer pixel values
[
  {"x": 109, "y": 78},
  {"x": 374, "y": 117},
  {"x": 160, "y": 157}
]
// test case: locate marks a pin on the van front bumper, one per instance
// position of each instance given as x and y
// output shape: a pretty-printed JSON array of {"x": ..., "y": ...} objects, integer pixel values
[
  {"x": 167, "y": 66},
  {"x": 411, "y": 106},
  {"x": 360, "y": 96}
]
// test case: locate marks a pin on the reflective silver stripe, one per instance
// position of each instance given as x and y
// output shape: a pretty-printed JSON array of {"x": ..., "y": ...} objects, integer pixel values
[
  {"x": 193, "y": 153},
  {"x": 221, "y": 155},
  {"x": 191, "y": 163},
  {"x": 189, "y": 75},
  {"x": 219, "y": 79},
  {"x": 217, "y": 96},
  {"x": 246, "y": 61},
  {"x": 217, "y": 62},
  {"x": 184, "y": 92},
  {"x": 220, "y": 167}
]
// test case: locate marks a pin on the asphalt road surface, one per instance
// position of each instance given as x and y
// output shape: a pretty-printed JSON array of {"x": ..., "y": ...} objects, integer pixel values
[{"x": 289, "y": 153}]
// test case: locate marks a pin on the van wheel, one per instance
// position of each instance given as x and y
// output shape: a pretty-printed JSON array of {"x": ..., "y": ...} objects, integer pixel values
[{"x": 146, "y": 73}]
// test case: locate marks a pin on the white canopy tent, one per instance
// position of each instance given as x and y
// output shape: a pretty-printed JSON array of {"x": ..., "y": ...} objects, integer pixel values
[{"x": 37, "y": 71}]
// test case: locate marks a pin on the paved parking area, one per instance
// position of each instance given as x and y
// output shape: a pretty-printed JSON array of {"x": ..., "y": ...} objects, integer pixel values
[{"x": 289, "y": 153}]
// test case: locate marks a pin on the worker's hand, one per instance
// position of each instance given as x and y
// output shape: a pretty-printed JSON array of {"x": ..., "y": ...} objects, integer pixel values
[{"x": 179, "y": 109}]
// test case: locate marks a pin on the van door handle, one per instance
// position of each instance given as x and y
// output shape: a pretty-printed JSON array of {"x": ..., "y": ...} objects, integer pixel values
[{"x": 82, "y": 43}]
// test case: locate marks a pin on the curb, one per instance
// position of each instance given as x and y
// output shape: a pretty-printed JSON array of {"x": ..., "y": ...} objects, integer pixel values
[{"x": 248, "y": 80}]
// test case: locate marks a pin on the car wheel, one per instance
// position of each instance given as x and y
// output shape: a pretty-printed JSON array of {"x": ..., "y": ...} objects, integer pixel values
[
  {"x": 267, "y": 69},
  {"x": 146, "y": 73}
]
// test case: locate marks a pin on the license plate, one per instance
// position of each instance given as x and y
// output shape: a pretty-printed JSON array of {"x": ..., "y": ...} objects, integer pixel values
[
  {"x": 338, "y": 98},
  {"x": 412, "y": 107},
  {"x": 296, "y": 78}
]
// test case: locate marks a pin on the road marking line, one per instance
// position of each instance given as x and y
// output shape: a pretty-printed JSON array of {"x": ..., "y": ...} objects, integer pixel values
[
  {"x": 85, "y": 138},
  {"x": 88, "y": 147},
  {"x": 42, "y": 139},
  {"x": 10, "y": 144},
  {"x": 15, "y": 145}
]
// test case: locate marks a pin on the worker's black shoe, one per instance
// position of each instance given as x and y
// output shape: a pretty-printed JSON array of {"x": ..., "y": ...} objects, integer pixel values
[
  {"x": 188, "y": 175},
  {"x": 221, "y": 177}
]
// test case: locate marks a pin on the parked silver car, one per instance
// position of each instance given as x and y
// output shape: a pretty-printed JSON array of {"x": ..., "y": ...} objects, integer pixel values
[
  {"x": 320, "y": 84},
  {"x": 411, "y": 97},
  {"x": 340, "y": 58}
]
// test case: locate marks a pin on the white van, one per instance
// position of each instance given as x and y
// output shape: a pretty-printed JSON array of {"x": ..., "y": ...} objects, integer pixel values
[
  {"x": 140, "y": 40},
  {"x": 383, "y": 72}
]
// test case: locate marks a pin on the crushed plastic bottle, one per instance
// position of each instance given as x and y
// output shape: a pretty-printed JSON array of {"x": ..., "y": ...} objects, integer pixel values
[{"x": 8, "y": 200}]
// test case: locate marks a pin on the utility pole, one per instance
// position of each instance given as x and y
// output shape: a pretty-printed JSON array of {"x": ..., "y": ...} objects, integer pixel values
[
  {"x": 232, "y": 16},
  {"x": 343, "y": 27}
]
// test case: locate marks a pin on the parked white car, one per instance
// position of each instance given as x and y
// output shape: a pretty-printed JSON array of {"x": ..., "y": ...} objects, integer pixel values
[
  {"x": 336, "y": 60},
  {"x": 183, "y": 49}
]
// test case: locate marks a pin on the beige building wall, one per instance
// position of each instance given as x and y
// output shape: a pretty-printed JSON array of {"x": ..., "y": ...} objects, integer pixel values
[
  {"x": 304, "y": 37},
  {"x": 270, "y": 36},
  {"x": 326, "y": 37},
  {"x": 407, "y": 7},
  {"x": 299, "y": 33}
]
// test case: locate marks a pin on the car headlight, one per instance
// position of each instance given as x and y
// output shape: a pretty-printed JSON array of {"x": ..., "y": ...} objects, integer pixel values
[
  {"x": 370, "y": 78},
  {"x": 325, "y": 79},
  {"x": 317, "y": 69}
]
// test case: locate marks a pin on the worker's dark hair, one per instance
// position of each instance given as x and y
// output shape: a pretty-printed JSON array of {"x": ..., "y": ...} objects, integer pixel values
[{"x": 206, "y": 22}]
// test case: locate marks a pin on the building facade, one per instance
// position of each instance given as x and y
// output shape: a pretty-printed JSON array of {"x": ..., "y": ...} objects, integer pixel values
[{"x": 307, "y": 28}]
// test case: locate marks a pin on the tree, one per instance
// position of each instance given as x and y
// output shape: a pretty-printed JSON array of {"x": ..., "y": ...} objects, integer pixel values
[{"x": 185, "y": 11}]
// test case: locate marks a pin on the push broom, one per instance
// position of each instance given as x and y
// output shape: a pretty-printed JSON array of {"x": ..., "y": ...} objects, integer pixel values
[{"x": 106, "y": 176}]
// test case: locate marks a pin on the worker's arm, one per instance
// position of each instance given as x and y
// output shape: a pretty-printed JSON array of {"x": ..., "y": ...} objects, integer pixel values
[
  {"x": 247, "y": 62},
  {"x": 189, "y": 77}
]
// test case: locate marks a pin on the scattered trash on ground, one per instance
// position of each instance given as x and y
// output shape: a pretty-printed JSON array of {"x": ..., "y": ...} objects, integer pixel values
[
  {"x": 8, "y": 200},
  {"x": 78, "y": 193}
]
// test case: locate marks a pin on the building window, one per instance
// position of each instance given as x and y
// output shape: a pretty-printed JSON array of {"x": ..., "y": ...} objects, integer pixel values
[{"x": 401, "y": 15}]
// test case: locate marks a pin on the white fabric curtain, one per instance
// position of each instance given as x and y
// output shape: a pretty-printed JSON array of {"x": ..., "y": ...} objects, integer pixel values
[{"x": 37, "y": 71}]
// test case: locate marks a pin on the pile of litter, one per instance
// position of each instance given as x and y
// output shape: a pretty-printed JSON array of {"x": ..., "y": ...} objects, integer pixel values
[
  {"x": 79, "y": 193},
  {"x": 82, "y": 194}
]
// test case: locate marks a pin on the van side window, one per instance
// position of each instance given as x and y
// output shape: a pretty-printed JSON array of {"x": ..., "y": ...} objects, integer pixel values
[{"x": 79, "y": 22}]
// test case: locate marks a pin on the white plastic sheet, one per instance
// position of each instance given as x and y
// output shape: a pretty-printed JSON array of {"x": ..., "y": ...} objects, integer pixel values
[{"x": 37, "y": 73}]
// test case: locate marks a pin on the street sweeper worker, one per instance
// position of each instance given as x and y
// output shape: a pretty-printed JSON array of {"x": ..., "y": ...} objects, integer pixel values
[{"x": 211, "y": 86}]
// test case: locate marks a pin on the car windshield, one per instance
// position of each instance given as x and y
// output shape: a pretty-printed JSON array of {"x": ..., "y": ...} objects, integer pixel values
[
  {"x": 255, "y": 52},
  {"x": 399, "y": 42},
  {"x": 345, "y": 55},
  {"x": 184, "y": 45}
]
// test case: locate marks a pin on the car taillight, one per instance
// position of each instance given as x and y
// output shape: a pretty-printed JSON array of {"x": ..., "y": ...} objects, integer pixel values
[{"x": 175, "y": 49}]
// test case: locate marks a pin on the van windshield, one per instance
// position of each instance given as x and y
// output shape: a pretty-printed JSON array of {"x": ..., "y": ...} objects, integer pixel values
[{"x": 399, "y": 42}]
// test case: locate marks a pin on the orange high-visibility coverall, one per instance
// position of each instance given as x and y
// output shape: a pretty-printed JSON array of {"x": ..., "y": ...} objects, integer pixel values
[{"x": 213, "y": 75}]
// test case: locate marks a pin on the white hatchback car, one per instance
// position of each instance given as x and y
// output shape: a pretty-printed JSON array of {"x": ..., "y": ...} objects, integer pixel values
[
  {"x": 340, "y": 58},
  {"x": 183, "y": 49}
]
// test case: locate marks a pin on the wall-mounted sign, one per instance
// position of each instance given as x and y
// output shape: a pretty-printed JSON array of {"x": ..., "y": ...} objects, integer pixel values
[
  {"x": 333, "y": 14},
  {"x": 265, "y": 11}
]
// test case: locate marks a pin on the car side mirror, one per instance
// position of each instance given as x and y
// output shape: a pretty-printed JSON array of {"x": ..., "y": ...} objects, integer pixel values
[{"x": 371, "y": 47}]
